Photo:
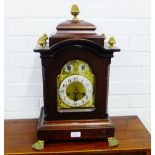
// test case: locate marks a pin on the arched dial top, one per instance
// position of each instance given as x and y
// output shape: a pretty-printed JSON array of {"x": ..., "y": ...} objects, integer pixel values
[{"x": 75, "y": 87}]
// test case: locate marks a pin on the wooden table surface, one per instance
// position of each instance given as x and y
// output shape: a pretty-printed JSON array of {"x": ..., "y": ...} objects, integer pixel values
[{"x": 132, "y": 135}]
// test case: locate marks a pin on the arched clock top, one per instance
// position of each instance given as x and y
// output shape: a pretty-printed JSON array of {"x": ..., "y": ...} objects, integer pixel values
[{"x": 101, "y": 51}]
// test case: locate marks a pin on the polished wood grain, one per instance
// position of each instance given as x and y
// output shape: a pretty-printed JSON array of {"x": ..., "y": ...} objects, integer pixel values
[
  {"x": 61, "y": 129},
  {"x": 134, "y": 139}
]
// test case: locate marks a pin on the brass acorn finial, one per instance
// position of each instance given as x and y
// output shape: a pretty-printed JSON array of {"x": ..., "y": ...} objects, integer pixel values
[
  {"x": 42, "y": 40},
  {"x": 111, "y": 42},
  {"x": 75, "y": 11},
  {"x": 45, "y": 37},
  {"x": 103, "y": 36}
]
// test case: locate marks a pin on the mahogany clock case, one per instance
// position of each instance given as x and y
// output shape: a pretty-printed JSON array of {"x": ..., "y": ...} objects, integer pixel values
[{"x": 75, "y": 41}]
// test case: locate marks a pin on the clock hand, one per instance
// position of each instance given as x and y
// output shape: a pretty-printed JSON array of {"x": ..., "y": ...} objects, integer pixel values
[
  {"x": 76, "y": 92},
  {"x": 80, "y": 92}
]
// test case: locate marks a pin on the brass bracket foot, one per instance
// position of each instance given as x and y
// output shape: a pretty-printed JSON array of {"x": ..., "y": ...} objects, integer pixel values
[
  {"x": 113, "y": 142},
  {"x": 38, "y": 145}
]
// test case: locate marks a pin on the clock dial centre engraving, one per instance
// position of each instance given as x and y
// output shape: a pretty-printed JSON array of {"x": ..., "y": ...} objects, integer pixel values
[{"x": 76, "y": 91}]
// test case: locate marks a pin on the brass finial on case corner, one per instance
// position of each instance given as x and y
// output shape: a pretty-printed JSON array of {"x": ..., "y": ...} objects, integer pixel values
[
  {"x": 45, "y": 37},
  {"x": 75, "y": 11},
  {"x": 42, "y": 40},
  {"x": 103, "y": 36},
  {"x": 111, "y": 42}
]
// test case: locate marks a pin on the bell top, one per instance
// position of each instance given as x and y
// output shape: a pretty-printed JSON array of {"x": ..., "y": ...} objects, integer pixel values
[
  {"x": 75, "y": 24},
  {"x": 75, "y": 29}
]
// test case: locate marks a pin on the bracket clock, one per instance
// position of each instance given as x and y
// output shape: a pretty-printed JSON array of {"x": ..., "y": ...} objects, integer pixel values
[{"x": 75, "y": 69}]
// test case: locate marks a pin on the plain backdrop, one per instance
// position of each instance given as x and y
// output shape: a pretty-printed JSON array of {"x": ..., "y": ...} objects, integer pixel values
[{"x": 127, "y": 20}]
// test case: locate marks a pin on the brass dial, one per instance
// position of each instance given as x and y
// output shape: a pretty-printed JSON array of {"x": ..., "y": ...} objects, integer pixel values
[{"x": 76, "y": 85}]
